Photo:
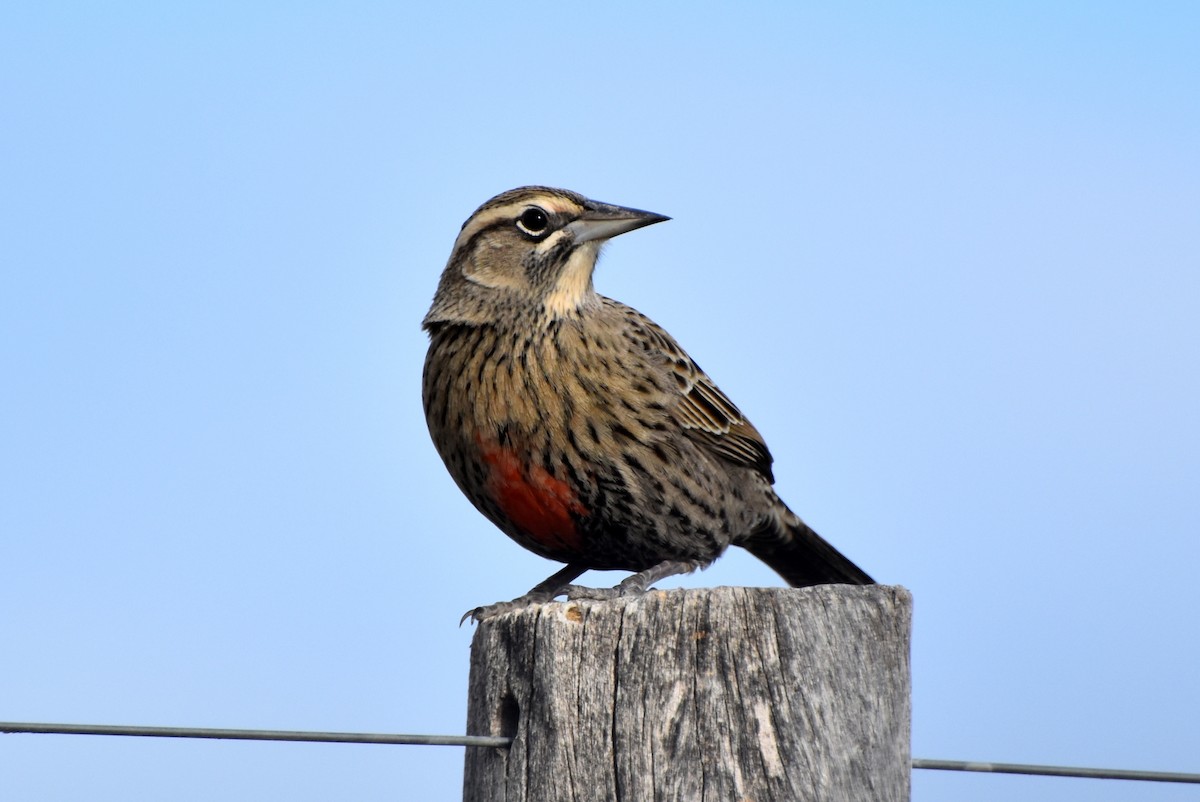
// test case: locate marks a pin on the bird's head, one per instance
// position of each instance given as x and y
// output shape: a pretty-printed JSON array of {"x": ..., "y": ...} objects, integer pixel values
[{"x": 528, "y": 250}]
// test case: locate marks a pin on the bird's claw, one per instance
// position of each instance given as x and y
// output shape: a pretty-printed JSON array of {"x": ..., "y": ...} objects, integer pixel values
[
  {"x": 499, "y": 608},
  {"x": 492, "y": 610},
  {"x": 580, "y": 592},
  {"x": 630, "y": 587}
]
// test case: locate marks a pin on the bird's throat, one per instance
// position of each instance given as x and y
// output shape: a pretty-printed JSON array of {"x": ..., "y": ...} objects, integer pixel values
[{"x": 573, "y": 288}]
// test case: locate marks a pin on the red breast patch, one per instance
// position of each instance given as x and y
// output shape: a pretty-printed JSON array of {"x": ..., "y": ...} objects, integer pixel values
[{"x": 538, "y": 503}]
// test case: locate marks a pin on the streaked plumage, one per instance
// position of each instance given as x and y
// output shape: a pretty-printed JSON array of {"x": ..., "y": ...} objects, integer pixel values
[{"x": 579, "y": 426}]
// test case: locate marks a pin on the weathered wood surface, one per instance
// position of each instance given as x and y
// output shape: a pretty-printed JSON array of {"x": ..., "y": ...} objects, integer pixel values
[{"x": 763, "y": 694}]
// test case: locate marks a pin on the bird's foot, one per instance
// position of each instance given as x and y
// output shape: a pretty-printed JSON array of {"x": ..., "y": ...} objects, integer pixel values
[
  {"x": 580, "y": 593},
  {"x": 519, "y": 603},
  {"x": 559, "y": 584},
  {"x": 543, "y": 592},
  {"x": 635, "y": 585}
]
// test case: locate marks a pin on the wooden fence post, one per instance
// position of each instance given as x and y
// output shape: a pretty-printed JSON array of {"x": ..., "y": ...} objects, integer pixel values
[{"x": 763, "y": 694}]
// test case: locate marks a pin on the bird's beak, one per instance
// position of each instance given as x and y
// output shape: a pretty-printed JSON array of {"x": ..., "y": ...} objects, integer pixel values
[{"x": 601, "y": 221}]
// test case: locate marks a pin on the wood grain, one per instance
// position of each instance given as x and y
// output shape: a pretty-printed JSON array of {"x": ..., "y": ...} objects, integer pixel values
[{"x": 763, "y": 694}]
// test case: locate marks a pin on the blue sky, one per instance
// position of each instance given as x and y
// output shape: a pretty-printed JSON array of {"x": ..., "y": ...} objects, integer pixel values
[{"x": 945, "y": 256}]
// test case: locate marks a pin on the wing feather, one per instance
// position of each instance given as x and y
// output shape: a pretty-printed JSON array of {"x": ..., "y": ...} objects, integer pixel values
[{"x": 704, "y": 412}]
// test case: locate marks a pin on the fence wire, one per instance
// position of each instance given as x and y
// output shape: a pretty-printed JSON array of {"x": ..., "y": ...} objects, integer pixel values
[
  {"x": 1058, "y": 771},
  {"x": 495, "y": 741},
  {"x": 256, "y": 735}
]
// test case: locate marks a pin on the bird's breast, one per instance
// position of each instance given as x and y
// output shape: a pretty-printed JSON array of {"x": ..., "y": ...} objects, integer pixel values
[{"x": 534, "y": 502}]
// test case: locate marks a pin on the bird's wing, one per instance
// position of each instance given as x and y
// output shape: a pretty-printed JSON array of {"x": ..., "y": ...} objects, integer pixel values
[{"x": 704, "y": 412}]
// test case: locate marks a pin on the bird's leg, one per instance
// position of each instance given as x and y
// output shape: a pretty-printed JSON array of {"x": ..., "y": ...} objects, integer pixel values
[
  {"x": 543, "y": 591},
  {"x": 638, "y": 583}
]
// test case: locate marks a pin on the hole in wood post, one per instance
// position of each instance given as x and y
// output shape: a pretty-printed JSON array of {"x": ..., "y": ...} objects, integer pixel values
[{"x": 509, "y": 715}]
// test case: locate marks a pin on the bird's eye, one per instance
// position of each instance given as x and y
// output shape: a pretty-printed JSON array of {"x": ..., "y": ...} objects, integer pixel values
[{"x": 533, "y": 221}]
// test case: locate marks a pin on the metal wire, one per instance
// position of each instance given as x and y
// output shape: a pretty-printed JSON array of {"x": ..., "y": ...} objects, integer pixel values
[
  {"x": 255, "y": 735},
  {"x": 500, "y": 741},
  {"x": 1057, "y": 771}
]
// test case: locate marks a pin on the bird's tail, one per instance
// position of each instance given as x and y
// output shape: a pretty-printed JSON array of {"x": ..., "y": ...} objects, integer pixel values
[{"x": 802, "y": 557}]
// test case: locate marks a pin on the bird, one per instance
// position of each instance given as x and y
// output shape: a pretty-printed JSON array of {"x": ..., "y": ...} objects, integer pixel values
[{"x": 581, "y": 428}]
